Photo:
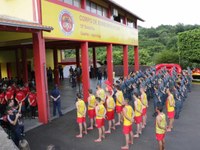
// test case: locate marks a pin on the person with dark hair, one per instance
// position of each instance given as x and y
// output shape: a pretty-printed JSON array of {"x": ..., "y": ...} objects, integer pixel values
[
  {"x": 119, "y": 104},
  {"x": 81, "y": 113},
  {"x": 16, "y": 129},
  {"x": 61, "y": 76},
  {"x": 91, "y": 108},
  {"x": 138, "y": 114},
  {"x": 128, "y": 115},
  {"x": 32, "y": 99},
  {"x": 100, "y": 118},
  {"x": 101, "y": 93},
  {"x": 161, "y": 125},
  {"x": 55, "y": 96},
  {"x": 170, "y": 104},
  {"x": 110, "y": 113},
  {"x": 144, "y": 107}
]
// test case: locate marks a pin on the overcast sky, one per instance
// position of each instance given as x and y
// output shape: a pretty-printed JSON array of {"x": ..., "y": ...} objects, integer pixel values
[{"x": 167, "y": 12}]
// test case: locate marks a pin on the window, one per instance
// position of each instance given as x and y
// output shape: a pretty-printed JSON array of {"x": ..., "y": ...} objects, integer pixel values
[
  {"x": 130, "y": 23},
  {"x": 77, "y": 3},
  {"x": 99, "y": 10},
  {"x": 88, "y": 5},
  {"x": 93, "y": 8},
  {"x": 68, "y": 1}
]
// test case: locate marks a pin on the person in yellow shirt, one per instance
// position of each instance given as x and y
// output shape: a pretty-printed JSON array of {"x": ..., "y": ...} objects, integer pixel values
[
  {"x": 101, "y": 93},
  {"x": 160, "y": 127},
  {"x": 119, "y": 104},
  {"x": 144, "y": 107},
  {"x": 170, "y": 104},
  {"x": 138, "y": 114},
  {"x": 91, "y": 108},
  {"x": 81, "y": 112},
  {"x": 100, "y": 118},
  {"x": 128, "y": 119},
  {"x": 110, "y": 115}
]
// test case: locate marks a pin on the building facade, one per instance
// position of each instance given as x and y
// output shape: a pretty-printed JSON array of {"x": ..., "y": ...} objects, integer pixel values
[{"x": 34, "y": 32}]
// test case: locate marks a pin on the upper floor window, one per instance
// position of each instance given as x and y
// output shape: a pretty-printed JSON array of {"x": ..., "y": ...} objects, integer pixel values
[
  {"x": 76, "y": 3},
  {"x": 96, "y": 9}
]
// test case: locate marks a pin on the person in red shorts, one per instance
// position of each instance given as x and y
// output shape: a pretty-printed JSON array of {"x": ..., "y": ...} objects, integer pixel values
[
  {"x": 119, "y": 105},
  {"x": 170, "y": 104},
  {"x": 138, "y": 114},
  {"x": 110, "y": 103},
  {"x": 144, "y": 107},
  {"x": 32, "y": 99},
  {"x": 100, "y": 117},
  {"x": 128, "y": 115},
  {"x": 81, "y": 112},
  {"x": 91, "y": 108},
  {"x": 160, "y": 127}
]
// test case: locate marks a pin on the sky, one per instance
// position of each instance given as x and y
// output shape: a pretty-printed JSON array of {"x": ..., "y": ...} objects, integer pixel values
[{"x": 166, "y": 12}]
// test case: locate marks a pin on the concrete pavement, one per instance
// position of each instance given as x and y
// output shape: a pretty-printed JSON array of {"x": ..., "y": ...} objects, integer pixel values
[{"x": 61, "y": 132}]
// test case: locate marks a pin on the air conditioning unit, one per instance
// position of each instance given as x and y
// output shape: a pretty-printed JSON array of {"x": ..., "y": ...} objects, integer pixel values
[{"x": 115, "y": 12}]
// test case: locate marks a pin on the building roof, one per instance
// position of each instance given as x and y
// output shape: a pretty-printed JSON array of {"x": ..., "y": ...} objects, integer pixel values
[
  {"x": 5, "y": 21},
  {"x": 131, "y": 13}
]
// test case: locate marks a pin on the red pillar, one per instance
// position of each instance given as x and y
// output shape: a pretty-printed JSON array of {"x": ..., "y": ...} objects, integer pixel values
[
  {"x": 77, "y": 57},
  {"x": 136, "y": 58},
  {"x": 94, "y": 60},
  {"x": 110, "y": 63},
  {"x": 9, "y": 73},
  {"x": 24, "y": 64},
  {"x": 109, "y": 11},
  {"x": 55, "y": 59},
  {"x": 125, "y": 20},
  {"x": 17, "y": 64},
  {"x": 83, "y": 4},
  {"x": 125, "y": 61},
  {"x": 41, "y": 76},
  {"x": 85, "y": 69}
]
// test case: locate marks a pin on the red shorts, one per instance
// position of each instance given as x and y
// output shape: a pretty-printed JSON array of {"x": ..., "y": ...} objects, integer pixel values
[
  {"x": 170, "y": 115},
  {"x": 127, "y": 129},
  {"x": 91, "y": 113},
  {"x": 100, "y": 123},
  {"x": 119, "y": 109},
  {"x": 138, "y": 119},
  {"x": 160, "y": 137},
  {"x": 144, "y": 111},
  {"x": 80, "y": 120},
  {"x": 110, "y": 115}
]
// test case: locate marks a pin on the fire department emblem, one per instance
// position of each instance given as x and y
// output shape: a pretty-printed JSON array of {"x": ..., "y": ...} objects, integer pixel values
[{"x": 66, "y": 22}]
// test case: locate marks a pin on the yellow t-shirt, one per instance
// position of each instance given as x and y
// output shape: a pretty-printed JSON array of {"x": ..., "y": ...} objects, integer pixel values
[
  {"x": 92, "y": 102},
  {"x": 162, "y": 124},
  {"x": 80, "y": 108},
  {"x": 139, "y": 107},
  {"x": 119, "y": 98},
  {"x": 170, "y": 108},
  {"x": 144, "y": 100},
  {"x": 101, "y": 94},
  {"x": 110, "y": 103},
  {"x": 129, "y": 113},
  {"x": 100, "y": 112}
]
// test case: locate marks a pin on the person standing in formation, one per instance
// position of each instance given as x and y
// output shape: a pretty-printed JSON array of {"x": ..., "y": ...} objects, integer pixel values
[
  {"x": 128, "y": 118},
  {"x": 160, "y": 127},
  {"x": 110, "y": 103},
  {"x": 144, "y": 107},
  {"x": 119, "y": 102},
  {"x": 100, "y": 119},
  {"x": 170, "y": 104},
  {"x": 81, "y": 113},
  {"x": 91, "y": 108},
  {"x": 138, "y": 114}
]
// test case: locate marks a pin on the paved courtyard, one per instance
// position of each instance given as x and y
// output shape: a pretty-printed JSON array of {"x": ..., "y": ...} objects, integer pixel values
[{"x": 61, "y": 131}]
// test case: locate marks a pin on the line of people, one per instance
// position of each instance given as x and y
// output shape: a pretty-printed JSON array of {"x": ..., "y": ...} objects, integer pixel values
[{"x": 129, "y": 97}]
